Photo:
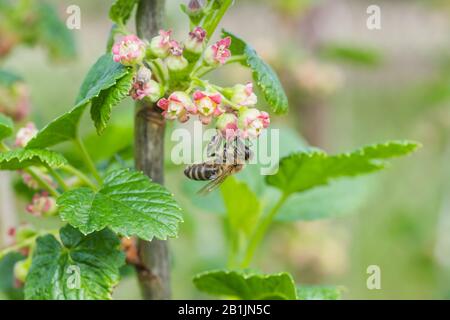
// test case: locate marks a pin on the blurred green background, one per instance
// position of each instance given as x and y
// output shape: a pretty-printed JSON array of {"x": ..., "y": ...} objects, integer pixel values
[{"x": 348, "y": 86}]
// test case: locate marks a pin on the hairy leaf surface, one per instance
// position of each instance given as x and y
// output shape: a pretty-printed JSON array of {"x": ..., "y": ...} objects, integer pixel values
[
  {"x": 23, "y": 158},
  {"x": 263, "y": 74},
  {"x": 306, "y": 170},
  {"x": 103, "y": 75},
  {"x": 121, "y": 10},
  {"x": 63, "y": 128},
  {"x": 244, "y": 286},
  {"x": 79, "y": 268},
  {"x": 129, "y": 203},
  {"x": 102, "y": 105}
]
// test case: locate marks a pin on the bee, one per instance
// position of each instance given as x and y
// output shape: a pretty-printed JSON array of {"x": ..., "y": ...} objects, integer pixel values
[{"x": 229, "y": 157}]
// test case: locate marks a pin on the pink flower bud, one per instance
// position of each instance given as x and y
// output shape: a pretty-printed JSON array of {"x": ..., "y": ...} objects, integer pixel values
[
  {"x": 243, "y": 95},
  {"x": 151, "y": 89},
  {"x": 175, "y": 61},
  {"x": 33, "y": 184},
  {"x": 196, "y": 40},
  {"x": 177, "y": 106},
  {"x": 42, "y": 205},
  {"x": 25, "y": 134},
  {"x": 129, "y": 51},
  {"x": 208, "y": 106},
  {"x": 252, "y": 122},
  {"x": 144, "y": 86},
  {"x": 15, "y": 102},
  {"x": 143, "y": 75},
  {"x": 160, "y": 45},
  {"x": 219, "y": 52},
  {"x": 227, "y": 124},
  {"x": 12, "y": 232},
  {"x": 194, "y": 5}
]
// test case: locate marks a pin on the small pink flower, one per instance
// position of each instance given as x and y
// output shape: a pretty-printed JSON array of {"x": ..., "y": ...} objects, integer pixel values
[
  {"x": 144, "y": 86},
  {"x": 227, "y": 124},
  {"x": 42, "y": 205},
  {"x": 151, "y": 89},
  {"x": 25, "y": 134},
  {"x": 208, "y": 106},
  {"x": 177, "y": 106},
  {"x": 175, "y": 61},
  {"x": 129, "y": 51},
  {"x": 160, "y": 45},
  {"x": 252, "y": 122},
  {"x": 219, "y": 52},
  {"x": 196, "y": 40},
  {"x": 12, "y": 232},
  {"x": 243, "y": 95}
]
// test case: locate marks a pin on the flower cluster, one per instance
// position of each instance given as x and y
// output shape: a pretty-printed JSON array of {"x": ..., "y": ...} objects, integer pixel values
[
  {"x": 25, "y": 134},
  {"x": 15, "y": 101},
  {"x": 31, "y": 183},
  {"x": 42, "y": 205},
  {"x": 163, "y": 66},
  {"x": 235, "y": 117}
]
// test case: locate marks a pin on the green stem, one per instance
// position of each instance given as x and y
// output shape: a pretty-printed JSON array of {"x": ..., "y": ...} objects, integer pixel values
[
  {"x": 237, "y": 59},
  {"x": 88, "y": 160},
  {"x": 160, "y": 74},
  {"x": 212, "y": 20},
  {"x": 25, "y": 243},
  {"x": 233, "y": 248},
  {"x": 35, "y": 175},
  {"x": 42, "y": 183},
  {"x": 58, "y": 178},
  {"x": 80, "y": 175},
  {"x": 261, "y": 231}
]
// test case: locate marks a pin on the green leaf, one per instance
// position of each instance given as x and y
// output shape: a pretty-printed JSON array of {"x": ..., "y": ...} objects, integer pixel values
[
  {"x": 121, "y": 10},
  {"x": 243, "y": 211},
  {"x": 63, "y": 128},
  {"x": 8, "y": 79},
  {"x": 129, "y": 203},
  {"x": 318, "y": 293},
  {"x": 7, "y": 286},
  {"x": 54, "y": 34},
  {"x": 23, "y": 158},
  {"x": 102, "y": 105},
  {"x": 340, "y": 198},
  {"x": 263, "y": 74},
  {"x": 6, "y": 126},
  {"x": 306, "y": 170},
  {"x": 79, "y": 268},
  {"x": 245, "y": 286},
  {"x": 103, "y": 75}
]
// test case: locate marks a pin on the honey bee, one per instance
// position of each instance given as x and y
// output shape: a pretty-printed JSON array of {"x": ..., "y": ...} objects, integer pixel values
[{"x": 229, "y": 157}]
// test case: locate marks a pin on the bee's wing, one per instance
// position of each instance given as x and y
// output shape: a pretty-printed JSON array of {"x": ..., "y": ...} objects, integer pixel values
[
  {"x": 240, "y": 149},
  {"x": 216, "y": 182},
  {"x": 214, "y": 145}
]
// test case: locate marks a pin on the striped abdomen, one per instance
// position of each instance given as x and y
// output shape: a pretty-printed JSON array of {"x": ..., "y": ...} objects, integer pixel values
[{"x": 203, "y": 171}]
